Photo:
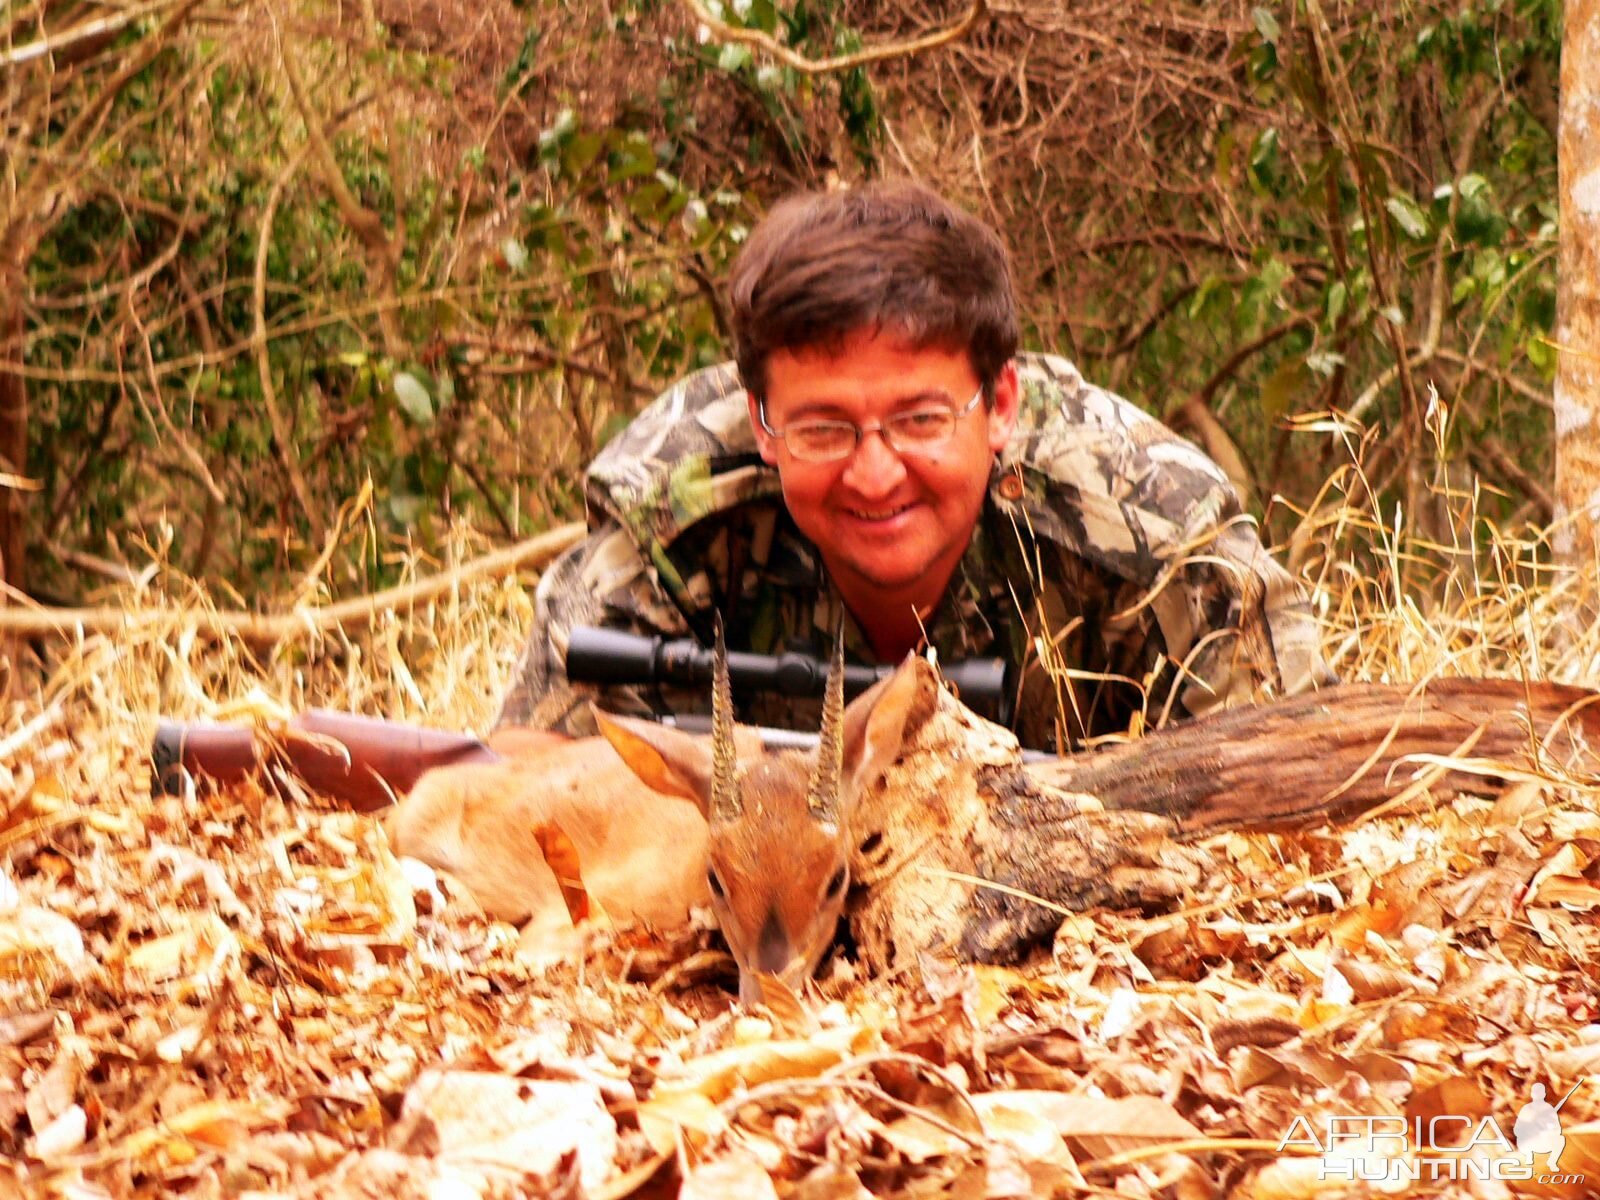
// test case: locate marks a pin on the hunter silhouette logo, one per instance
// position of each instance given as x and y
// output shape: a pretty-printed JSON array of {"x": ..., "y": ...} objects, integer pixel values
[{"x": 1538, "y": 1127}]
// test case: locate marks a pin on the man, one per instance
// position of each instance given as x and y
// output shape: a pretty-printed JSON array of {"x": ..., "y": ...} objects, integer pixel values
[{"x": 880, "y": 455}]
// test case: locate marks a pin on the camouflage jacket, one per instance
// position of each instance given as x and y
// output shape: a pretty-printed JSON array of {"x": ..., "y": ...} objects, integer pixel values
[{"x": 1111, "y": 566}]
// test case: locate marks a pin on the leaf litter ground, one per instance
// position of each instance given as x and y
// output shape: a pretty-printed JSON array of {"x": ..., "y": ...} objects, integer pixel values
[{"x": 242, "y": 992}]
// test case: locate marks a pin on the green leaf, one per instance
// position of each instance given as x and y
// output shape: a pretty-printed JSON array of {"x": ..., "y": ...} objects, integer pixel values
[
  {"x": 1264, "y": 159},
  {"x": 1541, "y": 354},
  {"x": 694, "y": 217},
  {"x": 1538, "y": 308},
  {"x": 733, "y": 57},
  {"x": 1266, "y": 24},
  {"x": 1412, "y": 220},
  {"x": 582, "y": 150},
  {"x": 1280, "y": 388},
  {"x": 634, "y": 158},
  {"x": 1338, "y": 296},
  {"x": 413, "y": 397},
  {"x": 1263, "y": 62},
  {"x": 560, "y": 130},
  {"x": 406, "y": 507},
  {"x": 1212, "y": 286},
  {"x": 1226, "y": 143}
]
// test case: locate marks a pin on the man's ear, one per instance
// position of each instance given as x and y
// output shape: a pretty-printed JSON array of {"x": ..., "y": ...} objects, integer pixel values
[
  {"x": 667, "y": 760},
  {"x": 1007, "y": 402},
  {"x": 765, "y": 442}
]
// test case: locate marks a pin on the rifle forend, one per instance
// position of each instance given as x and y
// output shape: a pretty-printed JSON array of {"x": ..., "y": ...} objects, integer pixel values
[{"x": 612, "y": 656}]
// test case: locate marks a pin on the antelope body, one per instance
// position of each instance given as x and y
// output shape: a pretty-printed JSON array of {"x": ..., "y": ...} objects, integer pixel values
[
  {"x": 764, "y": 836},
  {"x": 488, "y": 826}
]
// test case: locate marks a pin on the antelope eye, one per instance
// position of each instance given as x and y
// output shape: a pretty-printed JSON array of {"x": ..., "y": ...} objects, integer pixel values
[
  {"x": 836, "y": 884},
  {"x": 715, "y": 881}
]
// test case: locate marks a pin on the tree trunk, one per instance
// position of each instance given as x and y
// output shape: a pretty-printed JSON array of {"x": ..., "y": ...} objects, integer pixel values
[
  {"x": 13, "y": 461},
  {"x": 1577, "y": 383},
  {"x": 1111, "y": 828}
]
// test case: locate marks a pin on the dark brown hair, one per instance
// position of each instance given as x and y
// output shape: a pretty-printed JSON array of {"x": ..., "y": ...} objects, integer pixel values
[{"x": 890, "y": 255}]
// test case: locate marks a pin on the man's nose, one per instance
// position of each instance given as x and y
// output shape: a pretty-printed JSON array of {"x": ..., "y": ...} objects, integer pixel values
[{"x": 874, "y": 469}]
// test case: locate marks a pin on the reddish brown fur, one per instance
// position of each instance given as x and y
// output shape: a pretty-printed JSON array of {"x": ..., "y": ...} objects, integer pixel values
[
  {"x": 781, "y": 866},
  {"x": 772, "y": 868}
]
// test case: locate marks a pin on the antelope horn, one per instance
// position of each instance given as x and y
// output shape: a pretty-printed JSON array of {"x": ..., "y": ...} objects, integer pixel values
[
  {"x": 726, "y": 804},
  {"x": 823, "y": 798}
]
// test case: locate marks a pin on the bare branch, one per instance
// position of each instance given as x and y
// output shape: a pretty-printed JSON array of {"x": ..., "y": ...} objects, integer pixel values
[
  {"x": 724, "y": 32},
  {"x": 269, "y": 630},
  {"x": 281, "y": 433},
  {"x": 87, "y": 31}
]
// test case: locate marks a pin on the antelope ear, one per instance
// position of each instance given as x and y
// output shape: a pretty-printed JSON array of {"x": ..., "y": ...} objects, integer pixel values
[
  {"x": 667, "y": 760},
  {"x": 878, "y": 722}
]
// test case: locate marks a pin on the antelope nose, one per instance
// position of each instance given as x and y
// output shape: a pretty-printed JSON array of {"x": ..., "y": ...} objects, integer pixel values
[{"x": 774, "y": 953}]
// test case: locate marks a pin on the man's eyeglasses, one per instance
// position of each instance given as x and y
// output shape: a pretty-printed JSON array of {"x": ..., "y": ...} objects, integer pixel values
[{"x": 915, "y": 431}]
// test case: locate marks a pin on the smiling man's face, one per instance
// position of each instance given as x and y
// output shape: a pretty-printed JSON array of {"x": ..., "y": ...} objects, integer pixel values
[{"x": 891, "y": 526}]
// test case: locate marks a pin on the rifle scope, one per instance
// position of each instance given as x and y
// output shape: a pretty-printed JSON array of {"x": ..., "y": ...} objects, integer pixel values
[{"x": 611, "y": 656}]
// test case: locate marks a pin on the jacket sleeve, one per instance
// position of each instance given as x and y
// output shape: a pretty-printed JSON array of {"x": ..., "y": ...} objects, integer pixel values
[
  {"x": 602, "y": 580},
  {"x": 1166, "y": 550},
  {"x": 1237, "y": 624}
]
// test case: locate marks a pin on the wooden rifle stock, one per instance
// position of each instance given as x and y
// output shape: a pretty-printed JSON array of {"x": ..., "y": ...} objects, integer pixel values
[{"x": 364, "y": 761}]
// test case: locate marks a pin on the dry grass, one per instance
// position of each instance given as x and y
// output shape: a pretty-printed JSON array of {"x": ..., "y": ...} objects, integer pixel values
[{"x": 251, "y": 987}]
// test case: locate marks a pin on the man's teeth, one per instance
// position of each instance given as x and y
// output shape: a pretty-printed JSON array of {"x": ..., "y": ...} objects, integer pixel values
[{"x": 879, "y": 514}]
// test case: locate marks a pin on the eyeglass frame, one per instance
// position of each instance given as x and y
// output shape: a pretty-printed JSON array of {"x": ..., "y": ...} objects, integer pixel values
[{"x": 861, "y": 431}]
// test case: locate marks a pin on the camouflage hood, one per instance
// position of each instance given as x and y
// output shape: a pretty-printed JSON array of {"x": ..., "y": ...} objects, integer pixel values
[{"x": 1134, "y": 491}]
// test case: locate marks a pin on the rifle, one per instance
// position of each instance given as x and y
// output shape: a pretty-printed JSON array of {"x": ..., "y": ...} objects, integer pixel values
[
  {"x": 367, "y": 761},
  {"x": 610, "y": 656}
]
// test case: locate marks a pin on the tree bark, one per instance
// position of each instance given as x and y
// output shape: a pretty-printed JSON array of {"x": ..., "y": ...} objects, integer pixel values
[
  {"x": 13, "y": 461},
  {"x": 960, "y": 847},
  {"x": 1577, "y": 383},
  {"x": 1331, "y": 755}
]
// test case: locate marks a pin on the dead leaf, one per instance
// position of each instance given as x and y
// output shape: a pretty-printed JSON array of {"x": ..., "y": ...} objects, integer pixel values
[
  {"x": 23, "y": 1028},
  {"x": 524, "y": 1124},
  {"x": 40, "y": 945},
  {"x": 1453, "y": 1095},
  {"x": 734, "y": 1176},
  {"x": 562, "y": 857},
  {"x": 669, "y": 1113},
  {"x": 918, "y": 1140},
  {"x": 1100, "y": 1125},
  {"x": 1567, "y": 891},
  {"x": 1014, "y": 1119},
  {"x": 787, "y": 1009},
  {"x": 715, "y": 1076}
]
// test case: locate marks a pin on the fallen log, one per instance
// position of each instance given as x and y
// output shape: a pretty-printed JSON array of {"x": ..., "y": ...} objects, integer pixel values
[
  {"x": 962, "y": 849},
  {"x": 1334, "y": 754}
]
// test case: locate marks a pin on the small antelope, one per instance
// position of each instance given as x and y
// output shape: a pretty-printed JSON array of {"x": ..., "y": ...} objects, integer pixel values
[
  {"x": 779, "y": 845},
  {"x": 770, "y": 848}
]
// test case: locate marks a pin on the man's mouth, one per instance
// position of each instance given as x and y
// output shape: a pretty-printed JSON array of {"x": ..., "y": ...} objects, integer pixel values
[{"x": 877, "y": 514}]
